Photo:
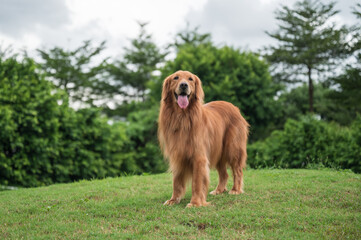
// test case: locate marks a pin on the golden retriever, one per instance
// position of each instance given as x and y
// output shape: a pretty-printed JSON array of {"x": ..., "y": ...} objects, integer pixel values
[{"x": 194, "y": 137}]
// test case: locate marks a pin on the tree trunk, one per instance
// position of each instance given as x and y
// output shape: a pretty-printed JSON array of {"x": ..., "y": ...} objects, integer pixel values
[{"x": 310, "y": 90}]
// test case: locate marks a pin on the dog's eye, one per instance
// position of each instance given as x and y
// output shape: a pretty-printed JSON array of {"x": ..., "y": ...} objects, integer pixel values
[
  {"x": 190, "y": 79},
  {"x": 176, "y": 78}
]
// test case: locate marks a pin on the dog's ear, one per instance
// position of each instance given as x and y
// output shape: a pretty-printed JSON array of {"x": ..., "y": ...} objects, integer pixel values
[
  {"x": 198, "y": 92},
  {"x": 166, "y": 92}
]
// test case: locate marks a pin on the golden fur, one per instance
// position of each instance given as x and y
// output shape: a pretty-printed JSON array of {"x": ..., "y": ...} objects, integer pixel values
[{"x": 199, "y": 137}]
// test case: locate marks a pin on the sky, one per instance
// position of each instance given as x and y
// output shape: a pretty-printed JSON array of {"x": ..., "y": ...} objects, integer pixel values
[{"x": 32, "y": 24}]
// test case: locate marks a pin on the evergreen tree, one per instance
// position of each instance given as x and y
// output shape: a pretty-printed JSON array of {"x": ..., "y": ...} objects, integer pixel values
[
  {"x": 346, "y": 94},
  {"x": 133, "y": 73},
  {"x": 229, "y": 74},
  {"x": 191, "y": 37},
  {"x": 72, "y": 71},
  {"x": 309, "y": 42},
  {"x": 357, "y": 10}
]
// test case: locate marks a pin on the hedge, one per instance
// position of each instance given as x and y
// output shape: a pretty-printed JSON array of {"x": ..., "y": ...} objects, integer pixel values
[{"x": 309, "y": 141}]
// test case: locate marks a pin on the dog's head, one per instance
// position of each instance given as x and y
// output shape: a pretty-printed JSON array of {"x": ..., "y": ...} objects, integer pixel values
[{"x": 183, "y": 88}]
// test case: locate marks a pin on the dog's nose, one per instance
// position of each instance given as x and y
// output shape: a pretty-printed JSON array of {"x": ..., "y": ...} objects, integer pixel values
[{"x": 183, "y": 86}]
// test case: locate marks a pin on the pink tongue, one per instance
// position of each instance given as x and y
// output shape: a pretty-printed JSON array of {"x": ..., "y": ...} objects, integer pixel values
[{"x": 182, "y": 101}]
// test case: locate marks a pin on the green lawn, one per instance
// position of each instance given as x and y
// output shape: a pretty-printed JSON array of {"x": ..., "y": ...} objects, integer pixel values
[{"x": 278, "y": 204}]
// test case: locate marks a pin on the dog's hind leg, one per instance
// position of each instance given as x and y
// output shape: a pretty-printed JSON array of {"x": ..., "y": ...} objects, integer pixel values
[
  {"x": 223, "y": 177},
  {"x": 237, "y": 166}
]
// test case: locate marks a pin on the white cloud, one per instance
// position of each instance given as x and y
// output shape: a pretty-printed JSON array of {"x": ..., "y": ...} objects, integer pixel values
[
  {"x": 119, "y": 18},
  {"x": 66, "y": 23},
  {"x": 18, "y": 17},
  {"x": 243, "y": 23}
]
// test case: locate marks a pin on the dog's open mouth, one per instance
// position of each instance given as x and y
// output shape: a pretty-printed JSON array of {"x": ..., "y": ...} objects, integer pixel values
[{"x": 182, "y": 100}]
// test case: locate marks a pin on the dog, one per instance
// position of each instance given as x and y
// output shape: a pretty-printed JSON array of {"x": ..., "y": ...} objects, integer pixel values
[{"x": 195, "y": 137}]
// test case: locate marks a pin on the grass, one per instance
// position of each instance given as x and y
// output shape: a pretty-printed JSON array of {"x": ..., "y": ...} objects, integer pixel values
[{"x": 278, "y": 204}]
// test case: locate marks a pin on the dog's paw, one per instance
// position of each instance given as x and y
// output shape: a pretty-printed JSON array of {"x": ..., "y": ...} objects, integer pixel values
[
  {"x": 170, "y": 202},
  {"x": 235, "y": 192},
  {"x": 216, "y": 191},
  {"x": 189, "y": 205}
]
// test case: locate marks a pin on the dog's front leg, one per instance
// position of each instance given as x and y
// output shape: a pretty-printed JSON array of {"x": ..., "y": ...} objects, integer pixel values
[
  {"x": 179, "y": 188},
  {"x": 200, "y": 182}
]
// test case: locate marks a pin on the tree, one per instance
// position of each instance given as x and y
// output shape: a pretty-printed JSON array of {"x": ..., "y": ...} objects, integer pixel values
[
  {"x": 191, "y": 37},
  {"x": 133, "y": 73},
  {"x": 309, "y": 42},
  {"x": 357, "y": 10},
  {"x": 44, "y": 141},
  {"x": 347, "y": 86},
  {"x": 309, "y": 142},
  {"x": 228, "y": 74},
  {"x": 347, "y": 94},
  {"x": 293, "y": 104},
  {"x": 73, "y": 71},
  {"x": 142, "y": 133}
]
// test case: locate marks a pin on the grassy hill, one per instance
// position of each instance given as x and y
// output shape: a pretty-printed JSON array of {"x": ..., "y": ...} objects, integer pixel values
[{"x": 278, "y": 204}]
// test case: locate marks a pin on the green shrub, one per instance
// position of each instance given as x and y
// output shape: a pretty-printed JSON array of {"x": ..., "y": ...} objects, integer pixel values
[
  {"x": 143, "y": 148},
  {"x": 94, "y": 148},
  {"x": 44, "y": 141},
  {"x": 307, "y": 142},
  {"x": 232, "y": 75}
]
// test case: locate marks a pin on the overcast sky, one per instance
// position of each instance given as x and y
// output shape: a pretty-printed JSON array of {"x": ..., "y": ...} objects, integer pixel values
[{"x": 35, "y": 24}]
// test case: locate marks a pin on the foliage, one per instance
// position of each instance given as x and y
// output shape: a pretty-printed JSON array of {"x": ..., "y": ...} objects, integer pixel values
[
  {"x": 278, "y": 204},
  {"x": 142, "y": 132},
  {"x": 133, "y": 73},
  {"x": 97, "y": 149},
  {"x": 347, "y": 86},
  {"x": 293, "y": 104},
  {"x": 230, "y": 75},
  {"x": 309, "y": 141},
  {"x": 191, "y": 37},
  {"x": 308, "y": 42},
  {"x": 73, "y": 72},
  {"x": 357, "y": 10},
  {"x": 347, "y": 94},
  {"x": 43, "y": 140}
]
